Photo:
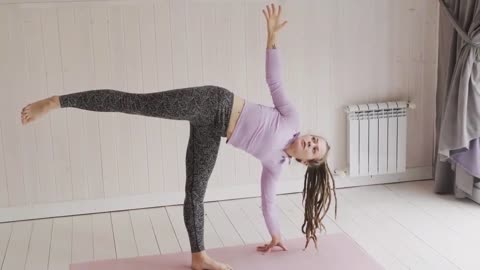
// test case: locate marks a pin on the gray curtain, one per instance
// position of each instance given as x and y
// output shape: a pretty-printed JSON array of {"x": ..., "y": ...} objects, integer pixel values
[{"x": 457, "y": 128}]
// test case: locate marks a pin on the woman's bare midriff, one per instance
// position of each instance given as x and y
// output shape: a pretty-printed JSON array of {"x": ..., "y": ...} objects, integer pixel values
[{"x": 238, "y": 103}]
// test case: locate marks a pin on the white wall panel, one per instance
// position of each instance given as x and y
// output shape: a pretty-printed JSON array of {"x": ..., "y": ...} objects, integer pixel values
[{"x": 334, "y": 53}]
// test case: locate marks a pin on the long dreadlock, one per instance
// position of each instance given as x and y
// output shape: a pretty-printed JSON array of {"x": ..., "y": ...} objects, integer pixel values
[{"x": 317, "y": 197}]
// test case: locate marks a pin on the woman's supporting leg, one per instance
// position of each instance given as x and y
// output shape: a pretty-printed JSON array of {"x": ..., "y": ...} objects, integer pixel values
[
  {"x": 202, "y": 151},
  {"x": 189, "y": 104}
]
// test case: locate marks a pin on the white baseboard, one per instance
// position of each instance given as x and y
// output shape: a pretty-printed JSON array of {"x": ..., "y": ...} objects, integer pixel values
[{"x": 81, "y": 207}]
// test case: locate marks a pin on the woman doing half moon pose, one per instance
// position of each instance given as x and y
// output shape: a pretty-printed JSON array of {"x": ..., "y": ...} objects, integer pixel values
[{"x": 271, "y": 134}]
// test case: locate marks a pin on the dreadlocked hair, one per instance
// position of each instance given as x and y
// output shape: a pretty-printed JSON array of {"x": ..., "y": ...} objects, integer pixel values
[{"x": 317, "y": 196}]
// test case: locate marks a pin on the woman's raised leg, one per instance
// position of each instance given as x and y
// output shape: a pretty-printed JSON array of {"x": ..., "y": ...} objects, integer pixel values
[
  {"x": 195, "y": 104},
  {"x": 176, "y": 104}
]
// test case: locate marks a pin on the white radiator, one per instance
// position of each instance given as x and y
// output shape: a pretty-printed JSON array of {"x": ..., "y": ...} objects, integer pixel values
[{"x": 377, "y": 138}]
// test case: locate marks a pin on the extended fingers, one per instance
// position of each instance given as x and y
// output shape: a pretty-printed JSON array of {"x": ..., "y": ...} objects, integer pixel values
[
  {"x": 272, "y": 11},
  {"x": 262, "y": 248},
  {"x": 268, "y": 247}
]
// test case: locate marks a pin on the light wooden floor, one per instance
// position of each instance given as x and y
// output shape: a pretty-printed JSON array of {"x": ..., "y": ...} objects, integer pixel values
[{"x": 403, "y": 226}]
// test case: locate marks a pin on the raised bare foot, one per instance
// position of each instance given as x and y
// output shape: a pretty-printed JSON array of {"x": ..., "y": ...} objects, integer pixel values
[
  {"x": 35, "y": 110},
  {"x": 210, "y": 264}
]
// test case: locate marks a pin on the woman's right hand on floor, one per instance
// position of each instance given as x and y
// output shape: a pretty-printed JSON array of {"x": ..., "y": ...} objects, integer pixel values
[{"x": 276, "y": 241}]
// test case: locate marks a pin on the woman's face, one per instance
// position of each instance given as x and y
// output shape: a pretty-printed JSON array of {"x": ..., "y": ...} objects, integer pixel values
[{"x": 308, "y": 147}]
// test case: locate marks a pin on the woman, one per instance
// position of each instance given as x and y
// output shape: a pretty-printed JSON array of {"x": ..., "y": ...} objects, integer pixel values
[{"x": 269, "y": 134}]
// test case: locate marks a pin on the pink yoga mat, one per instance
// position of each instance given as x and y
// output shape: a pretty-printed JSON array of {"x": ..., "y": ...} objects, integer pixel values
[{"x": 335, "y": 251}]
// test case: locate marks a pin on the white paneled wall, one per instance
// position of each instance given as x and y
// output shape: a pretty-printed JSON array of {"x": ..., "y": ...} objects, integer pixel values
[{"x": 334, "y": 53}]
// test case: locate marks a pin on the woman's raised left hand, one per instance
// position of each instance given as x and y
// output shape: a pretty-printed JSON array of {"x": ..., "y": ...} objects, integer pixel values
[{"x": 272, "y": 15}]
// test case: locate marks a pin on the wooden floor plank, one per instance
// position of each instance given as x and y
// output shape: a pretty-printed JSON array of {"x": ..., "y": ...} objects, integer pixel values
[
  {"x": 5, "y": 235},
  {"x": 39, "y": 249},
  {"x": 144, "y": 234},
  {"x": 164, "y": 233},
  {"x": 242, "y": 224},
  {"x": 175, "y": 213},
  {"x": 222, "y": 225},
  {"x": 17, "y": 248},
  {"x": 82, "y": 239},
  {"x": 103, "y": 238},
  {"x": 61, "y": 244},
  {"x": 125, "y": 243}
]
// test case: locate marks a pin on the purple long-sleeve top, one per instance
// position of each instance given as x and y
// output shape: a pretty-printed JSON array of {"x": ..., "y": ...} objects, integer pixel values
[{"x": 265, "y": 132}]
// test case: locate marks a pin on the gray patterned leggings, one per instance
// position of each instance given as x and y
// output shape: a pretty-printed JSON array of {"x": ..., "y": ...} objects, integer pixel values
[{"x": 207, "y": 108}]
